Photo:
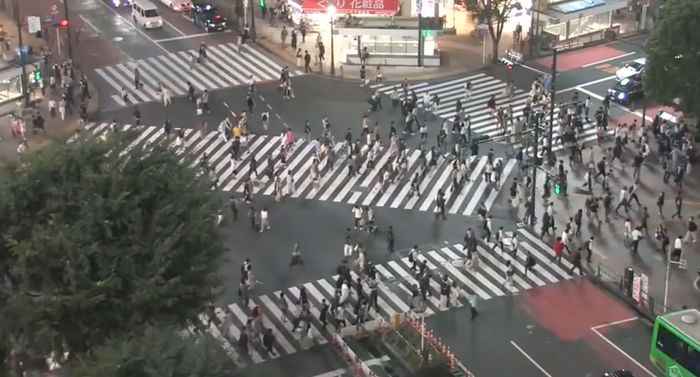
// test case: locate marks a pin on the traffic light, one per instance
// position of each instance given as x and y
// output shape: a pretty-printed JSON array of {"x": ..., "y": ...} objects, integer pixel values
[
  {"x": 37, "y": 76},
  {"x": 510, "y": 67},
  {"x": 557, "y": 188},
  {"x": 427, "y": 33},
  {"x": 63, "y": 24},
  {"x": 262, "y": 4}
]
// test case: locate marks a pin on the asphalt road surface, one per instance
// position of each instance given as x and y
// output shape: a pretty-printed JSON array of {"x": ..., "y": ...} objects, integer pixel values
[{"x": 569, "y": 329}]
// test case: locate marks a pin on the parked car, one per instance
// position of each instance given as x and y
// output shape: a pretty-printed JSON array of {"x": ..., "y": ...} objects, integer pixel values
[
  {"x": 626, "y": 91},
  {"x": 635, "y": 68},
  {"x": 178, "y": 5},
  {"x": 208, "y": 18}
]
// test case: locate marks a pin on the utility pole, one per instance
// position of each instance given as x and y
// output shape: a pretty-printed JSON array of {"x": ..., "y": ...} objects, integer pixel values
[
  {"x": 533, "y": 196},
  {"x": 419, "y": 8},
  {"x": 553, "y": 104},
  {"x": 23, "y": 79},
  {"x": 70, "y": 42},
  {"x": 252, "y": 20}
]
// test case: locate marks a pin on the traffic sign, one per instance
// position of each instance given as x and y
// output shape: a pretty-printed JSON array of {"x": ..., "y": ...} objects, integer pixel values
[{"x": 33, "y": 24}]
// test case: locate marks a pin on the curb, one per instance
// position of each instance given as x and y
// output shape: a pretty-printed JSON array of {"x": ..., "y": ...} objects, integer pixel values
[
  {"x": 270, "y": 47},
  {"x": 61, "y": 134}
]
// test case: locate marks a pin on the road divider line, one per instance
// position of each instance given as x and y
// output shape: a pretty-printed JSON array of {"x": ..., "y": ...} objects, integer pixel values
[
  {"x": 615, "y": 346},
  {"x": 173, "y": 26},
  {"x": 534, "y": 69},
  {"x": 609, "y": 59},
  {"x": 183, "y": 36},
  {"x": 88, "y": 23},
  {"x": 614, "y": 323},
  {"x": 544, "y": 371}
]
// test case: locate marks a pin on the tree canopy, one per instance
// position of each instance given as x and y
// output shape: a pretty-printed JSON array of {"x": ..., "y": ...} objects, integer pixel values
[
  {"x": 494, "y": 14},
  {"x": 96, "y": 244},
  {"x": 673, "y": 66},
  {"x": 157, "y": 352}
]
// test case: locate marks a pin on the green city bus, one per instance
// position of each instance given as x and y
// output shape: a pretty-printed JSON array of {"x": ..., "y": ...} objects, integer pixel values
[{"x": 675, "y": 344}]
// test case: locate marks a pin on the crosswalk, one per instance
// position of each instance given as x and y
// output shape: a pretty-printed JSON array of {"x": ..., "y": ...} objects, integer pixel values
[
  {"x": 224, "y": 66},
  {"x": 394, "y": 292},
  {"x": 336, "y": 185},
  {"x": 483, "y": 88}
]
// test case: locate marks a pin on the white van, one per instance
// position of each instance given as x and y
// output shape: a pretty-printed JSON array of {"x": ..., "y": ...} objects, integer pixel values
[{"x": 145, "y": 14}]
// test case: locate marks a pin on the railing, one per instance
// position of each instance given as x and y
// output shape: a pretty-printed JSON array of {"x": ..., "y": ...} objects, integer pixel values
[{"x": 627, "y": 286}]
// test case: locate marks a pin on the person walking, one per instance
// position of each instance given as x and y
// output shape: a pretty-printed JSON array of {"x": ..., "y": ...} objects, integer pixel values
[
  {"x": 679, "y": 205},
  {"x": 268, "y": 342},
  {"x": 576, "y": 262},
  {"x": 307, "y": 62},
  {"x": 296, "y": 256},
  {"x": 660, "y": 203},
  {"x": 473, "y": 303},
  {"x": 323, "y": 313},
  {"x": 390, "y": 239},
  {"x": 529, "y": 263},
  {"x": 264, "y": 220},
  {"x": 692, "y": 231}
]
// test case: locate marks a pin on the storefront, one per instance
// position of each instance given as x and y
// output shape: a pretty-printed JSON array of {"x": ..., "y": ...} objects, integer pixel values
[
  {"x": 583, "y": 21},
  {"x": 11, "y": 83},
  {"x": 314, "y": 12},
  {"x": 389, "y": 41}
]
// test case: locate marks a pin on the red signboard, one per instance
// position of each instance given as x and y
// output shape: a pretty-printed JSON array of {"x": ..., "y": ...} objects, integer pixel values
[{"x": 376, "y": 7}]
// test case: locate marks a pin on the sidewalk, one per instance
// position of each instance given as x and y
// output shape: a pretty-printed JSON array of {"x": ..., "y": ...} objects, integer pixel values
[
  {"x": 460, "y": 54},
  {"x": 57, "y": 130}
]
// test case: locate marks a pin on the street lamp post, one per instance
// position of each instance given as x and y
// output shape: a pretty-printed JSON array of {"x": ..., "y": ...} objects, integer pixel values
[
  {"x": 67, "y": 16},
  {"x": 331, "y": 12},
  {"x": 252, "y": 20},
  {"x": 23, "y": 79},
  {"x": 553, "y": 104}
]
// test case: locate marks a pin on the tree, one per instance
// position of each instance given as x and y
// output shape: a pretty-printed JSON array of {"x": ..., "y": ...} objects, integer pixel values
[
  {"x": 673, "y": 64},
  {"x": 157, "y": 352},
  {"x": 494, "y": 14},
  {"x": 95, "y": 244}
]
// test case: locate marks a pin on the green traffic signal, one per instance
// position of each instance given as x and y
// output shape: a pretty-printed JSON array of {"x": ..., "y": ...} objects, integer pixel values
[
  {"x": 262, "y": 3},
  {"x": 557, "y": 188},
  {"x": 37, "y": 75}
]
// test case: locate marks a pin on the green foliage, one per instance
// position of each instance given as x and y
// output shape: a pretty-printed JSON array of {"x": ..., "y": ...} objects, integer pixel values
[
  {"x": 157, "y": 352},
  {"x": 494, "y": 14},
  {"x": 95, "y": 244},
  {"x": 673, "y": 66}
]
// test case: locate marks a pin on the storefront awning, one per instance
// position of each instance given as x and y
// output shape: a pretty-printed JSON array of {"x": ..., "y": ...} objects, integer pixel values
[{"x": 374, "y": 7}]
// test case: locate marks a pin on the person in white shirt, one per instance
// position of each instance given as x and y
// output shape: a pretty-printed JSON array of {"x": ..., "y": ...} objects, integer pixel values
[
  {"x": 344, "y": 294},
  {"x": 264, "y": 220},
  {"x": 677, "y": 249},
  {"x": 636, "y": 237},
  {"x": 357, "y": 215}
]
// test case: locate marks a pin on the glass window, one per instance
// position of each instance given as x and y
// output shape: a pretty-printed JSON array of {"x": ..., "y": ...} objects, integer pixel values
[
  {"x": 382, "y": 45},
  {"x": 670, "y": 344},
  {"x": 151, "y": 13},
  {"x": 692, "y": 361}
]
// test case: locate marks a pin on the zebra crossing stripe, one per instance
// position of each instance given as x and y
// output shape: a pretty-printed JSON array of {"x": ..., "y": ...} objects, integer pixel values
[
  {"x": 412, "y": 159},
  {"x": 171, "y": 75},
  {"x": 475, "y": 174},
  {"x": 365, "y": 187},
  {"x": 504, "y": 175},
  {"x": 243, "y": 318},
  {"x": 487, "y": 283}
]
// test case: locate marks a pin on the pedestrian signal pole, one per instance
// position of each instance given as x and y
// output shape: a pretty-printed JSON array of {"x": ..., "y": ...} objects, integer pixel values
[
  {"x": 552, "y": 106},
  {"x": 533, "y": 196},
  {"x": 23, "y": 79},
  {"x": 67, "y": 27}
]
